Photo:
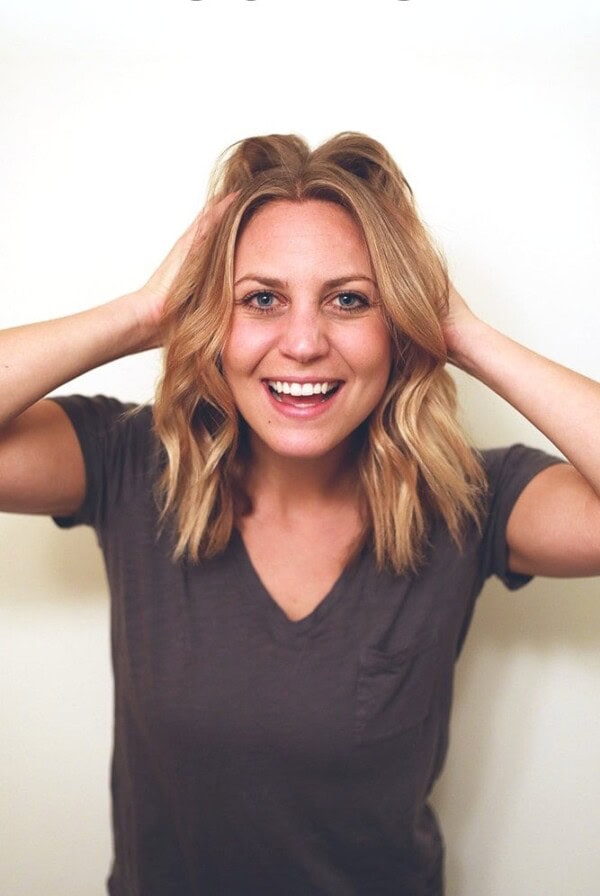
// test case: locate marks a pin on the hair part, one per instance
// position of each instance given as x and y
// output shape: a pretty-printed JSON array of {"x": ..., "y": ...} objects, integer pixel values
[{"x": 415, "y": 462}]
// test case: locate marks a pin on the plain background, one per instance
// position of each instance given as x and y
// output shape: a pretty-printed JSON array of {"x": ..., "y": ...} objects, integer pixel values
[{"x": 112, "y": 116}]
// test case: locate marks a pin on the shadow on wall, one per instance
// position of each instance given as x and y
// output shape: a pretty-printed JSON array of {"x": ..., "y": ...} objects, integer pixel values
[
  {"x": 39, "y": 561},
  {"x": 522, "y": 693}
]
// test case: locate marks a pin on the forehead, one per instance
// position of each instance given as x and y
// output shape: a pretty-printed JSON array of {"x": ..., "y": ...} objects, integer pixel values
[{"x": 313, "y": 231}]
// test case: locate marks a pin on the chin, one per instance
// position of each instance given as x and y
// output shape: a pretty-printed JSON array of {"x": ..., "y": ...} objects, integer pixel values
[{"x": 304, "y": 449}]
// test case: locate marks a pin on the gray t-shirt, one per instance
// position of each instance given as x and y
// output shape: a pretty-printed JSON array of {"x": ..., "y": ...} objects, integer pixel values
[{"x": 255, "y": 755}]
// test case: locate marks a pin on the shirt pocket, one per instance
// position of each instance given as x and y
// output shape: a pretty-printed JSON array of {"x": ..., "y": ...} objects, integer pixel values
[{"x": 394, "y": 689}]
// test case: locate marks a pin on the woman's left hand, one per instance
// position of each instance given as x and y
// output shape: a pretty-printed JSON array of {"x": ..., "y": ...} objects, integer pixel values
[
  {"x": 457, "y": 326},
  {"x": 554, "y": 528}
]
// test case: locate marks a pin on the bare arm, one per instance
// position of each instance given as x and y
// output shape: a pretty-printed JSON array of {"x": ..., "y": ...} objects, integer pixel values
[
  {"x": 41, "y": 468},
  {"x": 38, "y": 357},
  {"x": 554, "y": 528}
]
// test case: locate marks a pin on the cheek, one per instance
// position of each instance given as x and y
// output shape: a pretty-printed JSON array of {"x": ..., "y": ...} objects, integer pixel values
[
  {"x": 380, "y": 368},
  {"x": 371, "y": 353},
  {"x": 244, "y": 348}
]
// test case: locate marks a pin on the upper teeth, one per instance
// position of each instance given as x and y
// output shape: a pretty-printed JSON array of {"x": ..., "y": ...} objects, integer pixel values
[{"x": 301, "y": 388}]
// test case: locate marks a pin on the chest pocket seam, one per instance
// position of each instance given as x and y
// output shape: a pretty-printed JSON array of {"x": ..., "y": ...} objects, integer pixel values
[{"x": 394, "y": 690}]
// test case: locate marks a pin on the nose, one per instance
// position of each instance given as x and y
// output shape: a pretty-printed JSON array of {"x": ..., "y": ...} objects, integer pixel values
[{"x": 303, "y": 338}]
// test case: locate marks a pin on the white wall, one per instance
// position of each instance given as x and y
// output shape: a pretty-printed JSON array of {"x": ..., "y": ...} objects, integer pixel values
[{"x": 112, "y": 115}]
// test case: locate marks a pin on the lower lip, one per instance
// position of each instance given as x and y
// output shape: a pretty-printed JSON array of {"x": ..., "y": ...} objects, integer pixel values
[{"x": 303, "y": 412}]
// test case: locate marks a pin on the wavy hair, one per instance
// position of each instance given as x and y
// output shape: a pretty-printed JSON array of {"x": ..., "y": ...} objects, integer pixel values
[{"x": 414, "y": 462}]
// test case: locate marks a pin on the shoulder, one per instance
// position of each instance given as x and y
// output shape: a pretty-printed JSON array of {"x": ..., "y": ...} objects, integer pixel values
[
  {"x": 109, "y": 421},
  {"x": 509, "y": 469},
  {"x": 120, "y": 450},
  {"x": 103, "y": 412}
]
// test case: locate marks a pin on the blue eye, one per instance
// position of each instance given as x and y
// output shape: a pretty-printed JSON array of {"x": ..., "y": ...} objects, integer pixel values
[
  {"x": 265, "y": 301},
  {"x": 351, "y": 301},
  {"x": 262, "y": 300}
]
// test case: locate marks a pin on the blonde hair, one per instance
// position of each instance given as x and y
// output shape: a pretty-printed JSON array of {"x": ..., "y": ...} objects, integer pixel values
[{"x": 414, "y": 462}]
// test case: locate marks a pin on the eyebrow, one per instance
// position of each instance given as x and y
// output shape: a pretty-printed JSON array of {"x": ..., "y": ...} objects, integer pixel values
[{"x": 283, "y": 284}]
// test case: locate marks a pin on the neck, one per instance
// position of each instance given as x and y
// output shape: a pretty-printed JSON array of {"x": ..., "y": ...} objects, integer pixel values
[{"x": 285, "y": 486}]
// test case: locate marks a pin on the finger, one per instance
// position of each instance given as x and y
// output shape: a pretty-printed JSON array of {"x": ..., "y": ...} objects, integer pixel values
[
  {"x": 214, "y": 211},
  {"x": 204, "y": 221}
]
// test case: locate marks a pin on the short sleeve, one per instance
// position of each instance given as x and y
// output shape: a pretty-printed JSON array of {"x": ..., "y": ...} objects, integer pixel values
[
  {"x": 508, "y": 471},
  {"x": 115, "y": 440}
]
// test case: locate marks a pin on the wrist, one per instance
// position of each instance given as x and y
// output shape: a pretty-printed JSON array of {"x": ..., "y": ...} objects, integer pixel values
[
  {"x": 140, "y": 320},
  {"x": 469, "y": 344}
]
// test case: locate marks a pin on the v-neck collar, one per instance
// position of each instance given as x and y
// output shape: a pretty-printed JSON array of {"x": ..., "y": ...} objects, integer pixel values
[{"x": 278, "y": 618}]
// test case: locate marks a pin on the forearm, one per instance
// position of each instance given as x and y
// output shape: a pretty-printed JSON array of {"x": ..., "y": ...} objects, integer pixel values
[
  {"x": 37, "y": 358},
  {"x": 562, "y": 404}
]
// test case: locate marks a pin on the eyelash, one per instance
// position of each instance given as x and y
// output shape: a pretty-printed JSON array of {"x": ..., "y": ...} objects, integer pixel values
[{"x": 246, "y": 301}]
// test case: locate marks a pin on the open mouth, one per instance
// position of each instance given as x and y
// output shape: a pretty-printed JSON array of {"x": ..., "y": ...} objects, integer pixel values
[{"x": 303, "y": 393}]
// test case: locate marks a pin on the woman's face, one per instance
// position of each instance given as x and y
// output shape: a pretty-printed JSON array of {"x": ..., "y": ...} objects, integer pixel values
[{"x": 308, "y": 355}]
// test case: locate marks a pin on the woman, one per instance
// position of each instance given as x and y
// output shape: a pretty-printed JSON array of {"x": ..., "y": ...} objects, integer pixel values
[{"x": 296, "y": 532}]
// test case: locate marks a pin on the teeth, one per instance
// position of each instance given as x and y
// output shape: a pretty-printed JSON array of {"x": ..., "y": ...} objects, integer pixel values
[{"x": 288, "y": 388}]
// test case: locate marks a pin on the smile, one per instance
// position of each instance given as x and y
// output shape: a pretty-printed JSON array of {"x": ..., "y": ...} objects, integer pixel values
[{"x": 280, "y": 388}]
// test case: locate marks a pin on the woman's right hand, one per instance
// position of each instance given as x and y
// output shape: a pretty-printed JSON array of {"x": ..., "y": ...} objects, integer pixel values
[
  {"x": 153, "y": 294},
  {"x": 41, "y": 467}
]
